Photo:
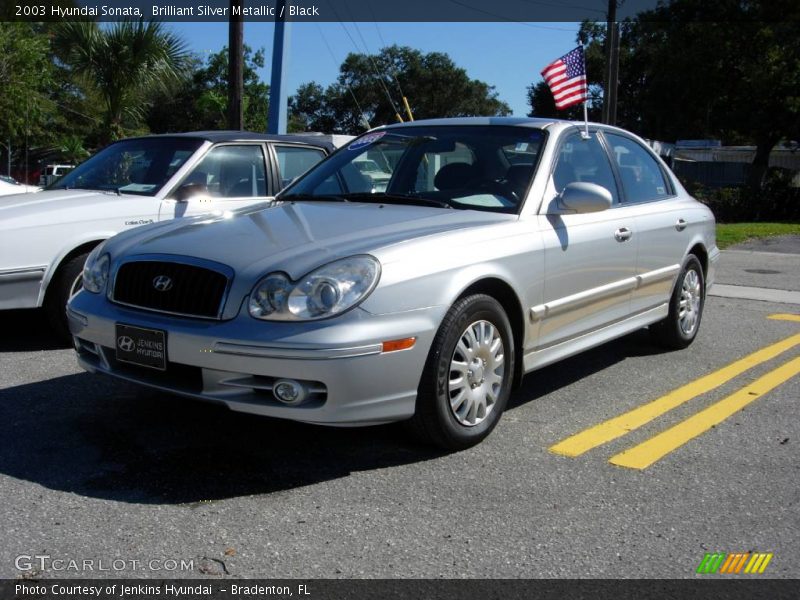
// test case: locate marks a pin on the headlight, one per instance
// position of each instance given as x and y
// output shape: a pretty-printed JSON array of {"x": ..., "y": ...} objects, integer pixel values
[
  {"x": 327, "y": 291},
  {"x": 95, "y": 271}
]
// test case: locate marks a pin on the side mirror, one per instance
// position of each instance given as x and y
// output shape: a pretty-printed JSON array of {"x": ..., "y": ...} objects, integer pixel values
[
  {"x": 190, "y": 190},
  {"x": 585, "y": 197}
]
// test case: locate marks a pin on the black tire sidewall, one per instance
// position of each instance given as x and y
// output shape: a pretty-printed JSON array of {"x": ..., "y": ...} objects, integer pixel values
[
  {"x": 58, "y": 296},
  {"x": 478, "y": 308}
]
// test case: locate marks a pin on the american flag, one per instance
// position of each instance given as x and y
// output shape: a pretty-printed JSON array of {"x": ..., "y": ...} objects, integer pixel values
[{"x": 567, "y": 79}]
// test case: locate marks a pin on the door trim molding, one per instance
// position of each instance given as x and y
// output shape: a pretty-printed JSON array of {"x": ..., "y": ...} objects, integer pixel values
[{"x": 567, "y": 303}]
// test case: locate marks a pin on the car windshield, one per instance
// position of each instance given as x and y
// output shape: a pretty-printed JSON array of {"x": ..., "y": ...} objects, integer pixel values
[
  {"x": 475, "y": 167},
  {"x": 137, "y": 166}
]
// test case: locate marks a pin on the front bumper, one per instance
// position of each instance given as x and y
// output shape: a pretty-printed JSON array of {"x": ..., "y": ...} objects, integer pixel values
[{"x": 235, "y": 362}]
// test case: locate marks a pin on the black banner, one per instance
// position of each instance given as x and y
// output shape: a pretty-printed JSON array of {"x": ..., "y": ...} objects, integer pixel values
[
  {"x": 322, "y": 10},
  {"x": 396, "y": 589}
]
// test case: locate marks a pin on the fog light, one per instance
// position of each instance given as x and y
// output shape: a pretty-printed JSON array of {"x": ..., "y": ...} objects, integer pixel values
[{"x": 289, "y": 391}]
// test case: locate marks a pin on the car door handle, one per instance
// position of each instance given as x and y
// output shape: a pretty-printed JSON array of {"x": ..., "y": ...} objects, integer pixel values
[
  {"x": 681, "y": 225},
  {"x": 623, "y": 234}
]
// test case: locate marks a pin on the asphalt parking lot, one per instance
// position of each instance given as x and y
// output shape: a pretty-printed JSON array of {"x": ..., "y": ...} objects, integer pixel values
[{"x": 92, "y": 469}]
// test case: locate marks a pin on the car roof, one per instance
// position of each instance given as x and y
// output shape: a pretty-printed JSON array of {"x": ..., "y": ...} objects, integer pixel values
[
  {"x": 218, "y": 136},
  {"x": 532, "y": 122}
]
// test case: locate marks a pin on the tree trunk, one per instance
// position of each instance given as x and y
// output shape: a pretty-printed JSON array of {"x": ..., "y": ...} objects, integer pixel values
[{"x": 758, "y": 168}]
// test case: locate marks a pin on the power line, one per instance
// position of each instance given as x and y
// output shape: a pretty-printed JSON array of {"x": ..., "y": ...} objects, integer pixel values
[
  {"x": 392, "y": 69},
  {"x": 369, "y": 58},
  {"x": 347, "y": 85},
  {"x": 372, "y": 61}
]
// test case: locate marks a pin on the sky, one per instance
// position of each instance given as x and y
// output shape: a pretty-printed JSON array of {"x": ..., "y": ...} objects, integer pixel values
[{"x": 508, "y": 56}]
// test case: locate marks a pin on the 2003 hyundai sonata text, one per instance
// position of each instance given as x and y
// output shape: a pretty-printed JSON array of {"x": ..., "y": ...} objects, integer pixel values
[{"x": 494, "y": 247}]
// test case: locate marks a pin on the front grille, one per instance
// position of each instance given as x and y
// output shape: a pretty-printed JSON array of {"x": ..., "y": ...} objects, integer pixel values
[{"x": 193, "y": 291}]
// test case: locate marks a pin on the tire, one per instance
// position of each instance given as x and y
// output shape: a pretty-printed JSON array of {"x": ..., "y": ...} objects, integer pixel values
[
  {"x": 61, "y": 289},
  {"x": 479, "y": 391},
  {"x": 680, "y": 327}
]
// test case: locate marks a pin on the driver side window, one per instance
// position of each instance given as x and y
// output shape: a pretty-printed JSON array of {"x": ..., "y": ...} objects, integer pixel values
[
  {"x": 231, "y": 172},
  {"x": 581, "y": 160}
]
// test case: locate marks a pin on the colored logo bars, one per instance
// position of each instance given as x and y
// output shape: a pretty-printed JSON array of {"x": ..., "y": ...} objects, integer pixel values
[{"x": 733, "y": 564}]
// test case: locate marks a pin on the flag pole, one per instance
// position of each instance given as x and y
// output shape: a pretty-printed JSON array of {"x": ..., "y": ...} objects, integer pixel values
[{"x": 585, "y": 133}]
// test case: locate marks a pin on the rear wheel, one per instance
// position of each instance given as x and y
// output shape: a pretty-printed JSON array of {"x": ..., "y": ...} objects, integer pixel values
[
  {"x": 467, "y": 378},
  {"x": 67, "y": 282},
  {"x": 680, "y": 327}
]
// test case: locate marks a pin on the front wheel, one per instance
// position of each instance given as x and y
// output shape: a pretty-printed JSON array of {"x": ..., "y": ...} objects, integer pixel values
[
  {"x": 67, "y": 282},
  {"x": 467, "y": 378},
  {"x": 680, "y": 327}
]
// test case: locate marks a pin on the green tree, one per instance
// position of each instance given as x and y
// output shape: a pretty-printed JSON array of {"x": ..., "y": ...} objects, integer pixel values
[
  {"x": 125, "y": 64},
  {"x": 697, "y": 69},
  {"x": 25, "y": 79},
  {"x": 434, "y": 85},
  {"x": 202, "y": 101}
]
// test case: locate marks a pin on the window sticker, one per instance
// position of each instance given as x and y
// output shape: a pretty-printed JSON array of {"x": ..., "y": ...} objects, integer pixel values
[
  {"x": 661, "y": 190},
  {"x": 367, "y": 140}
]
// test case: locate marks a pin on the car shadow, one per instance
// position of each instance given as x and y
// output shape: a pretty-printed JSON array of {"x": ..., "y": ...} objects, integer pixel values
[
  {"x": 26, "y": 331},
  {"x": 567, "y": 371},
  {"x": 98, "y": 437}
]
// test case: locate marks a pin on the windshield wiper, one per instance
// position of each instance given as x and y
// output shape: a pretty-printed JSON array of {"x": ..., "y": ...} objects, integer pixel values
[
  {"x": 323, "y": 197},
  {"x": 105, "y": 190},
  {"x": 382, "y": 198}
]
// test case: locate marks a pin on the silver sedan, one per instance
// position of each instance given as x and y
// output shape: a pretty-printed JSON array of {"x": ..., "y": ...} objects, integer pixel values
[{"x": 494, "y": 247}]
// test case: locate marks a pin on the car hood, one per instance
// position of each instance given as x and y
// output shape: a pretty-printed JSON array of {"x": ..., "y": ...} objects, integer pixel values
[
  {"x": 50, "y": 205},
  {"x": 294, "y": 237}
]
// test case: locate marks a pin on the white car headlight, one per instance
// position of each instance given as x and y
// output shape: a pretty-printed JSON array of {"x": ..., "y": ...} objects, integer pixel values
[
  {"x": 95, "y": 271},
  {"x": 325, "y": 292}
]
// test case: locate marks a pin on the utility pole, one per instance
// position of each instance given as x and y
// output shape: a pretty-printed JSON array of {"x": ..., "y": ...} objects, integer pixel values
[
  {"x": 612, "y": 65},
  {"x": 278, "y": 97},
  {"x": 235, "y": 66}
]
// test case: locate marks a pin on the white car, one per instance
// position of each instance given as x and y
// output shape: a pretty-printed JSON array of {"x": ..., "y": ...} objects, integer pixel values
[
  {"x": 45, "y": 238},
  {"x": 9, "y": 186}
]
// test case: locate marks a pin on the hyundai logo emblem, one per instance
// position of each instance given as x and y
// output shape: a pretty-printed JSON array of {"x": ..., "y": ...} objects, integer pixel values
[
  {"x": 125, "y": 343},
  {"x": 162, "y": 283}
]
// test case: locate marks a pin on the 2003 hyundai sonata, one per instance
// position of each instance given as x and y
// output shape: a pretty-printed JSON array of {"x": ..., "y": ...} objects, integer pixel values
[{"x": 494, "y": 247}]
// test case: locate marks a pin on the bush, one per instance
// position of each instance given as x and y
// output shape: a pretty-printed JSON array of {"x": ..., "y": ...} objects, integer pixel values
[{"x": 777, "y": 200}]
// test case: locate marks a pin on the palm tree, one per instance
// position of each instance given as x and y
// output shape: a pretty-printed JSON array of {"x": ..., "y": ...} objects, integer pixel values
[
  {"x": 125, "y": 62},
  {"x": 72, "y": 150}
]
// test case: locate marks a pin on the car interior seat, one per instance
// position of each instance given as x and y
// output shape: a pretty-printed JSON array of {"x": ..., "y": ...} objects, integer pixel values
[{"x": 455, "y": 176}]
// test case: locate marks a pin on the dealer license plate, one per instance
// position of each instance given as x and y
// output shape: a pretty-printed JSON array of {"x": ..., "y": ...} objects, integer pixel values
[{"x": 143, "y": 347}]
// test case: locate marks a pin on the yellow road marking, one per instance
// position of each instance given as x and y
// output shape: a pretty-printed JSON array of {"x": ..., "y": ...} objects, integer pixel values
[
  {"x": 618, "y": 426},
  {"x": 648, "y": 452},
  {"x": 785, "y": 317}
]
